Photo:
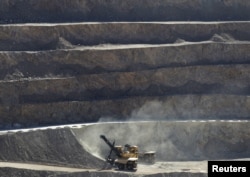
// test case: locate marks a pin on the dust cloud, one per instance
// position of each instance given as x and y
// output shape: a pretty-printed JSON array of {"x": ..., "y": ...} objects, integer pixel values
[
  {"x": 151, "y": 111},
  {"x": 172, "y": 140}
]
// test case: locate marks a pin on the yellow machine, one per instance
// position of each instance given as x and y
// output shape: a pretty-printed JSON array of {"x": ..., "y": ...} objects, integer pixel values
[{"x": 127, "y": 156}]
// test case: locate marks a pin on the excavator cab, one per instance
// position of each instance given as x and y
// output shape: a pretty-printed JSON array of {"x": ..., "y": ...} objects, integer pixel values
[{"x": 119, "y": 149}]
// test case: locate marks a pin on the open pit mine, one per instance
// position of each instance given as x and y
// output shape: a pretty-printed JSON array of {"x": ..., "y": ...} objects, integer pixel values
[{"x": 170, "y": 77}]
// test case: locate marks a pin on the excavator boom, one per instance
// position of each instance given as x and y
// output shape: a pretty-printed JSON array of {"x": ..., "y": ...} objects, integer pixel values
[{"x": 112, "y": 147}]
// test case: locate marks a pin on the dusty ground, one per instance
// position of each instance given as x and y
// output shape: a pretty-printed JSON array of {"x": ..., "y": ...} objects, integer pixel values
[
  {"x": 201, "y": 140},
  {"x": 158, "y": 167}
]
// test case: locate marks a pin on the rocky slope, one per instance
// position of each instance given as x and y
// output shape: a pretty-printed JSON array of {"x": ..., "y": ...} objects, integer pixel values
[
  {"x": 83, "y": 61},
  {"x": 46, "y": 146},
  {"x": 91, "y": 65},
  {"x": 15, "y": 11},
  {"x": 173, "y": 141},
  {"x": 53, "y": 36},
  {"x": 61, "y": 85}
]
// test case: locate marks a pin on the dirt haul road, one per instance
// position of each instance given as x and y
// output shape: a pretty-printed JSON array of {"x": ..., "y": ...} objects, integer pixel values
[{"x": 159, "y": 167}]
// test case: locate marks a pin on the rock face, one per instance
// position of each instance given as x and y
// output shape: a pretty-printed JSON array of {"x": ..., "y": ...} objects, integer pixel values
[
  {"x": 180, "y": 65},
  {"x": 20, "y": 37},
  {"x": 79, "y": 61},
  {"x": 48, "y": 147},
  {"x": 14, "y": 11}
]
